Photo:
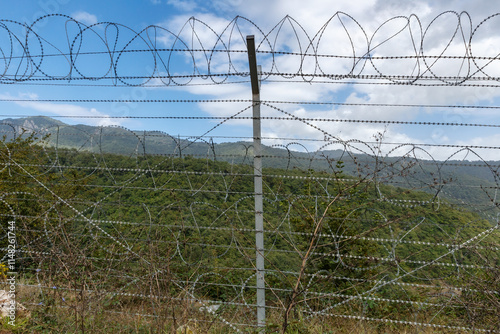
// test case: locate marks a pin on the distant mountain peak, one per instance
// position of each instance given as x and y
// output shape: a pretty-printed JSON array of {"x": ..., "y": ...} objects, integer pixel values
[{"x": 35, "y": 123}]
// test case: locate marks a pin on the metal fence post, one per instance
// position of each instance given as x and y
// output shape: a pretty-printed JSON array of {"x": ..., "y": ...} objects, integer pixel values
[{"x": 257, "y": 165}]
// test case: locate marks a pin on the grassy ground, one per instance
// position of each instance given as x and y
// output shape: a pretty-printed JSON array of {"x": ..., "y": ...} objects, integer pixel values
[{"x": 75, "y": 316}]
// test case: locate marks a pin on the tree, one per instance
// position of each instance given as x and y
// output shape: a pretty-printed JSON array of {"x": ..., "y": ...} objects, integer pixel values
[{"x": 36, "y": 195}]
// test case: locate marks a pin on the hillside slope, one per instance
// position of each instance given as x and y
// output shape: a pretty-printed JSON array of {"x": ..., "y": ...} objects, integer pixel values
[{"x": 462, "y": 182}]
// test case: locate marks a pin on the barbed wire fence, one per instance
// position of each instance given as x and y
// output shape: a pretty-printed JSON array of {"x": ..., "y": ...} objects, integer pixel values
[{"x": 361, "y": 233}]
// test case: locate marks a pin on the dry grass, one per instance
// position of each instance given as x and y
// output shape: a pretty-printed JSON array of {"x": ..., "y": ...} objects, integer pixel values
[{"x": 59, "y": 317}]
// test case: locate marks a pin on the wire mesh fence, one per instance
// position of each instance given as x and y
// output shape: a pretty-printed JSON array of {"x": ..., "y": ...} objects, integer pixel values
[{"x": 373, "y": 234}]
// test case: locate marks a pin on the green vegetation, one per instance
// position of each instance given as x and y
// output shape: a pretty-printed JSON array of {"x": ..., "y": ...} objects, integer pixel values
[
  {"x": 457, "y": 181},
  {"x": 108, "y": 235}
]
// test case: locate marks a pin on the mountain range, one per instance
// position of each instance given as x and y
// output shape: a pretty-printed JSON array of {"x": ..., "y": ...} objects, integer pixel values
[{"x": 462, "y": 182}]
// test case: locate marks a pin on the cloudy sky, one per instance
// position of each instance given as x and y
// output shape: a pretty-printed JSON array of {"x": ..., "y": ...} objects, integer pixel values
[{"x": 368, "y": 30}]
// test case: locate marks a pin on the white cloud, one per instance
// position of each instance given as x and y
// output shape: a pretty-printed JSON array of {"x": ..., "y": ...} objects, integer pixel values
[
  {"x": 72, "y": 111},
  {"x": 484, "y": 153},
  {"x": 84, "y": 17},
  {"x": 184, "y": 5},
  {"x": 336, "y": 34}
]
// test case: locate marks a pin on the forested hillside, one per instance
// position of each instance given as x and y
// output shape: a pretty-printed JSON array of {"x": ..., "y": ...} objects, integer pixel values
[
  {"x": 182, "y": 228},
  {"x": 458, "y": 181}
]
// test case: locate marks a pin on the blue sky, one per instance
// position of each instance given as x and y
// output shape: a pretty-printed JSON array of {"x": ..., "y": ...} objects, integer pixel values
[{"x": 173, "y": 15}]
